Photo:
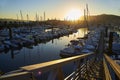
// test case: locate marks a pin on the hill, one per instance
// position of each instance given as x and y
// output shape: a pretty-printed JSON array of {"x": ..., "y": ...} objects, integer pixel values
[{"x": 105, "y": 19}]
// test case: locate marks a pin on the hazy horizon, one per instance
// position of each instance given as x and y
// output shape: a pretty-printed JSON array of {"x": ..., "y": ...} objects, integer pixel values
[{"x": 58, "y": 9}]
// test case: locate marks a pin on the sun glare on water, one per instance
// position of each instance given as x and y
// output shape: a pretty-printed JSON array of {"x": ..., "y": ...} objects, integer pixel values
[{"x": 74, "y": 14}]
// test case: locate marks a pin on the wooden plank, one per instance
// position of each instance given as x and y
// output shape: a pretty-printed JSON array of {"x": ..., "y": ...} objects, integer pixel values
[{"x": 114, "y": 65}]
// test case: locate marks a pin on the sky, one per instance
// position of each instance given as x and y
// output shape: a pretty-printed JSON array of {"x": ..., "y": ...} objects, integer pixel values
[{"x": 55, "y": 8}]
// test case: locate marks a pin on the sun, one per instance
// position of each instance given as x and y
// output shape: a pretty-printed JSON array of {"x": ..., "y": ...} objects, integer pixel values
[{"x": 73, "y": 14}]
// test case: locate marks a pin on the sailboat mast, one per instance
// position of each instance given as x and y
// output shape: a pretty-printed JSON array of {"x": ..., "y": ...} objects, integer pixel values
[
  {"x": 40, "y": 18},
  {"x": 17, "y": 17},
  {"x": 84, "y": 15},
  {"x": 87, "y": 15},
  {"x": 87, "y": 11},
  {"x": 44, "y": 16},
  {"x": 21, "y": 15},
  {"x": 36, "y": 17},
  {"x": 27, "y": 18}
]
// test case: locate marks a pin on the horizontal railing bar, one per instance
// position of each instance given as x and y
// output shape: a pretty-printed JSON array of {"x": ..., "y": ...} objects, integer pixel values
[
  {"x": 68, "y": 77},
  {"x": 53, "y": 64},
  {"x": 77, "y": 78},
  {"x": 83, "y": 69},
  {"x": 79, "y": 74},
  {"x": 114, "y": 65},
  {"x": 73, "y": 73},
  {"x": 83, "y": 72},
  {"x": 83, "y": 65}
]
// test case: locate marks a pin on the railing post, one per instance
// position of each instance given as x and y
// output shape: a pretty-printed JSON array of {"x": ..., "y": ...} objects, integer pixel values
[
  {"x": 56, "y": 73},
  {"x": 110, "y": 42},
  {"x": 32, "y": 76},
  {"x": 60, "y": 74}
]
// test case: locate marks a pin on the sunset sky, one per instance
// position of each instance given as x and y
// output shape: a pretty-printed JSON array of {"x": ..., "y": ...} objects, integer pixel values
[{"x": 56, "y": 8}]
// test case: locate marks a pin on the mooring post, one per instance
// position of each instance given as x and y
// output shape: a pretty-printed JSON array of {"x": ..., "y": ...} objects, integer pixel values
[
  {"x": 110, "y": 42},
  {"x": 106, "y": 31},
  {"x": 10, "y": 33}
]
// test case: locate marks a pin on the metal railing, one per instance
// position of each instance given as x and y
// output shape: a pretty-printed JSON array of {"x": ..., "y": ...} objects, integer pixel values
[
  {"x": 86, "y": 66},
  {"x": 111, "y": 68},
  {"x": 81, "y": 65}
]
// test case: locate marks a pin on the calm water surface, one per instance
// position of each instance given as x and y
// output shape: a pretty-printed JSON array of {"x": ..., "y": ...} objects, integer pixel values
[{"x": 42, "y": 52}]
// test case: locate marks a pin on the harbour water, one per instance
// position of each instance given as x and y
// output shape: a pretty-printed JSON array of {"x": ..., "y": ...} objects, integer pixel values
[{"x": 42, "y": 52}]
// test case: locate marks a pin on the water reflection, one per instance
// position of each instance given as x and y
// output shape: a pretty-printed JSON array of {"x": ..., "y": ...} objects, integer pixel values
[{"x": 13, "y": 59}]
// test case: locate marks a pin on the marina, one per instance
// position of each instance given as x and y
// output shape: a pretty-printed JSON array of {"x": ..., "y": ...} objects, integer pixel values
[
  {"x": 82, "y": 42},
  {"x": 19, "y": 37},
  {"x": 38, "y": 53},
  {"x": 59, "y": 40}
]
